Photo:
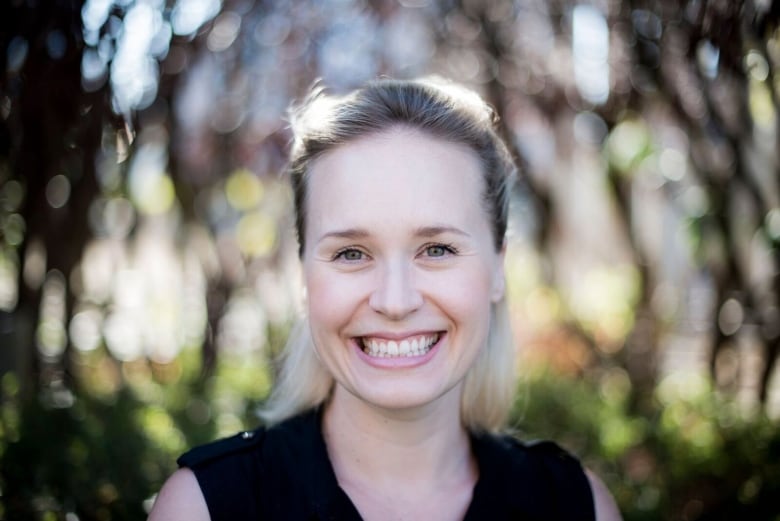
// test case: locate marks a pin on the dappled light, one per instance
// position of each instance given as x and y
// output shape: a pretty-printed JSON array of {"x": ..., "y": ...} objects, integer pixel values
[{"x": 149, "y": 270}]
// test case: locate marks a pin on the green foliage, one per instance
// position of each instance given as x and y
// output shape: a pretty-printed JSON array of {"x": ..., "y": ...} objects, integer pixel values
[
  {"x": 687, "y": 143},
  {"x": 695, "y": 455},
  {"x": 102, "y": 453},
  {"x": 92, "y": 459}
]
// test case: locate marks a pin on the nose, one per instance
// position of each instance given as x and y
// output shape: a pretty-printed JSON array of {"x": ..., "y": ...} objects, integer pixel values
[{"x": 395, "y": 294}]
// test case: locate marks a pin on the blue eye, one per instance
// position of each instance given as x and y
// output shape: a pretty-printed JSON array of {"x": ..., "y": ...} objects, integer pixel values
[
  {"x": 349, "y": 254},
  {"x": 438, "y": 250}
]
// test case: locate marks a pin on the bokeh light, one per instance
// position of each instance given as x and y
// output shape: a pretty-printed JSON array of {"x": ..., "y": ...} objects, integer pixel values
[{"x": 148, "y": 262}]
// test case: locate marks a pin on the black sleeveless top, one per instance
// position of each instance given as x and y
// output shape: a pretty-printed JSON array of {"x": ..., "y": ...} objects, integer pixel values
[{"x": 283, "y": 473}]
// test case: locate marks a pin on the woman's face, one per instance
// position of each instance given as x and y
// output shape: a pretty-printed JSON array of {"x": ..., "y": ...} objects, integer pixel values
[{"x": 399, "y": 266}]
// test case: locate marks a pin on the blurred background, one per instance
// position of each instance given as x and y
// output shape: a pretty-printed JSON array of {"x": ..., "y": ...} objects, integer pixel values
[{"x": 148, "y": 270}]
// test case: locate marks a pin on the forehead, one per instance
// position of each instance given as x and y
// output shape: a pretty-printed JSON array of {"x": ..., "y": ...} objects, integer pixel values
[{"x": 400, "y": 170}]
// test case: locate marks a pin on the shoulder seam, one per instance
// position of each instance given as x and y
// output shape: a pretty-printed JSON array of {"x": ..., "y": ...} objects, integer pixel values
[{"x": 240, "y": 442}]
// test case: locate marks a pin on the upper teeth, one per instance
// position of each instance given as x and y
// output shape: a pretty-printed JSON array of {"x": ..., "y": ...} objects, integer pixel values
[{"x": 413, "y": 346}]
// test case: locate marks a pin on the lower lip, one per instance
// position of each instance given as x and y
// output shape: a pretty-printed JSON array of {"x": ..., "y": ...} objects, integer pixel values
[{"x": 399, "y": 362}]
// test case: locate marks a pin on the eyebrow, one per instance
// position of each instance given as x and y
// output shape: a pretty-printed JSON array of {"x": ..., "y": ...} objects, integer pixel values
[
  {"x": 423, "y": 231},
  {"x": 349, "y": 233},
  {"x": 433, "y": 231}
]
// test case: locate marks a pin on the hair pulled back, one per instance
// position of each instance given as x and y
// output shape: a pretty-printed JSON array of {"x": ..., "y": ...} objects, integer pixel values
[{"x": 439, "y": 109}]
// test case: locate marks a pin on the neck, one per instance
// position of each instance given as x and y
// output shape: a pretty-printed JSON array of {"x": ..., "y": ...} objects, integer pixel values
[{"x": 367, "y": 444}]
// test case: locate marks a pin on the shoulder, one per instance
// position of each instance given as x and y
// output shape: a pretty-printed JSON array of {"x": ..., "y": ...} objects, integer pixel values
[
  {"x": 223, "y": 449},
  {"x": 240, "y": 476},
  {"x": 209, "y": 474},
  {"x": 606, "y": 508},
  {"x": 559, "y": 467},
  {"x": 544, "y": 457},
  {"x": 180, "y": 499},
  {"x": 563, "y": 471},
  {"x": 256, "y": 448},
  {"x": 538, "y": 478},
  {"x": 259, "y": 447}
]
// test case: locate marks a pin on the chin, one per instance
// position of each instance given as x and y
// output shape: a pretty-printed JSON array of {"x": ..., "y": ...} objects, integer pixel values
[{"x": 391, "y": 399}]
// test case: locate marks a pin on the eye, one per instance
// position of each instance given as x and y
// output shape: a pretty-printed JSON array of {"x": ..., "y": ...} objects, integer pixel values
[
  {"x": 349, "y": 255},
  {"x": 439, "y": 250}
]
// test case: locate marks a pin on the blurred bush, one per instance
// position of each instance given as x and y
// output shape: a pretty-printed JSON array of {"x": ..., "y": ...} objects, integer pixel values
[
  {"x": 101, "y": 452},
  {"x": 148, "y": 269},
  {"x": 104, "y": 457},
  {"x": 694, "y": 455}
]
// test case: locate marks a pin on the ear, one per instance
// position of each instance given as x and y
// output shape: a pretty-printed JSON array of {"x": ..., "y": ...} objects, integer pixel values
[{"x": 499, "y": 277}]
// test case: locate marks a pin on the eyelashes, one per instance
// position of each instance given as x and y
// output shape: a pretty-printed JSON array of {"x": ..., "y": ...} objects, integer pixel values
[
  {"x": 436, "y": 250},
  {"x": 349, "y": 254}
]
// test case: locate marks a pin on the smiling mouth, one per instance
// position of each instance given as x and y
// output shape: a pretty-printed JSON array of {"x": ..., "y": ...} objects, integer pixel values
[{"x": 408, "y": 347}]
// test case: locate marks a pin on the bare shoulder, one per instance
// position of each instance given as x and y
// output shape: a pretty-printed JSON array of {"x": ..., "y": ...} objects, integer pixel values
[
  {"x": 606, "y": 508},
  {"x": 180, "y": 499}
]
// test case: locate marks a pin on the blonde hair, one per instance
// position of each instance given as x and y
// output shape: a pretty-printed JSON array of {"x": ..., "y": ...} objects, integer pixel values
[
  {"x": 488, "y": 391},
  {"x": 443, "y": 110}
]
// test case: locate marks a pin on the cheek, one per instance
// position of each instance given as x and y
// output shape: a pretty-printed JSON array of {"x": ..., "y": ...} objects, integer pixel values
[
  {"x": 331, "y": 301},
  {"x": 319, "y": 299},
  {"x": 467, "y": 298}
]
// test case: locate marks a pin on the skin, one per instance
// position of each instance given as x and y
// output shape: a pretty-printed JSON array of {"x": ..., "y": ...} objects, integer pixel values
[
  {"x": 398, "y": 246},
  {"x": 392, "y": 426},
  {"x": 180, "y": 499}
]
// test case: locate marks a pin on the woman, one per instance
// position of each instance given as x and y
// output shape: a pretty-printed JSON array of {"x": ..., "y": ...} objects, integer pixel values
[{"x": 392, "y": 390}]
